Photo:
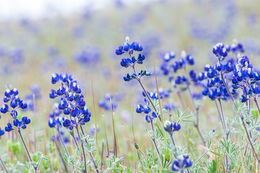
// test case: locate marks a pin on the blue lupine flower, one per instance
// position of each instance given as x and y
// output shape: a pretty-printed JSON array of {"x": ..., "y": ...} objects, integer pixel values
[
  {"x": 150, "y": 115},
  {"x": 244, "y": 99},
  {"x": 9, "y": 127},
  {"x": 129, "y": 48},
  {"x": 109, "y": 102},
  {"x": 139, "y": 108},
  {"x": 181, "y": 163},
  {"x": 162, "y": 93},
  {"x": 171, "y": 127},
  {"x": 12, "y": 104},
  {"x": 169, "y": 107},
  {"x": 131, "y": 60},
  {"x": 88, "y": 56},
  {"x": 4, "y": 108},
  {"x": 245, "y": 78},
  {"x": 71, "y": 103},
  {"x": 237, "y": 47},
  {"x": 190, "y": 60},
  {"x": 2, "y": 132},
  {"x": 169, "y": 56},
  {"x": 52, "y": 122},
  {"x": 31, "y": 98},
  {"x": 92, "y": 130},
  {"x": 220, "y": 50}
]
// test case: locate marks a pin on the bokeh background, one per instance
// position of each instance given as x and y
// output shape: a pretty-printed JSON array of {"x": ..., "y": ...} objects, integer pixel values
[{"x": 38, "y": 38}]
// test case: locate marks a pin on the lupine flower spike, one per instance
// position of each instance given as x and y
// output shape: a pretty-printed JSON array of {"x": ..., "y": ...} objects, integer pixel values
[
  {"x": 72, "y": 105},
  {"x": 181, "y": 163}
]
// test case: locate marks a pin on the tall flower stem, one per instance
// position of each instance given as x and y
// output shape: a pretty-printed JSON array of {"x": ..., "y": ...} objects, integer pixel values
[
  {"x": 94, "y": 112},
  {"x": 83, "y": 150},
  {"x": 173, "y": 142},
  {"x": 257, "y": 105},
  {"x": 145, "y": 92},
  {"x": 219, "y": 114},
  {"x": 62, "y": 159},
  {"x": 154, "y": 141},
  {"x": 61, "y": 141},
  {"x": 90, "y": 154},
  {"x": 249, "y": 139},
  {"x": 26, "y": 149},
  {"x": 223, "y": 119},
  {"x": 141, "y": 84},
  {"x": 139, "y": 158},
  {"x": 196, "y": 123},
  {"x": 75, "y": 141},
  {"x": 196, "y": 109},
  {"x": 225, "y": 129},
  {"x": 3, "y": 164},
  {"x": 242, "y": 120}
]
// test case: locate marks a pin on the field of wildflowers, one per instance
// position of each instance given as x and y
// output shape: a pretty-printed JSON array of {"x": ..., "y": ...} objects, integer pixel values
[{"x": 162, "y": 86}]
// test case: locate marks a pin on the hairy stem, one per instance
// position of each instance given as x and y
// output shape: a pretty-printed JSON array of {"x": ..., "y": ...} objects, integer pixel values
[
  {"x": 62, "y": 142},
  {"x": 257, "y": 105},
  {"x": 154, "y": 142},
  {"x": 242, "y": 120},
  {"x": 226, "y": 131},
  {"x": 196, "y": 109},
  {"x": 26, "y": 149},
  {"x": 223, "y": 119},
  {"x": 249, "y": 139},
  {"x": 90, "y": 154},
  {"x": 83, "y": 150},
  {"x": 219, "y": 114},
  {"x": 139, "y": 80},
  {"x": 196, "y": 123},
  {"x": 3, "y": 164},
  {"x": 75, "y": 141},
  {"x": 173, "y": 142},
  {"x": 62, "y": 159}
]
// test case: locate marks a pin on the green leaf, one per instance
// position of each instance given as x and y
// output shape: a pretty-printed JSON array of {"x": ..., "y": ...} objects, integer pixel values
[
  {"x": 213, "y": 167},
  {"x": 255, "y": 113}
]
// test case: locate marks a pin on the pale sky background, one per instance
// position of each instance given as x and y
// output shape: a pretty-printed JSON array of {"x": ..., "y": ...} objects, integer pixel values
[{"x": 34, "y": 9}]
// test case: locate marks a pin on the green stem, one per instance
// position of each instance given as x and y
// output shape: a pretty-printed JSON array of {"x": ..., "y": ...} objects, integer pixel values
[
  {"x": 242, "y": 120},
  {"x": 60, "y": 154},
  {"x": 173, "y": 142},
  {"x": 83, "y": 150},
  {"x": 139, "y": 80},
  {"x": 196, "y": 109},
  {"x": 3, "y": 164},
  {"x": 249, "y": 139},
  {"x": 257, "y": 105},
  {"x": 26, "y": 149},
  {"x": 90, "y": 154},
  {"x": 154, "y": 142}
]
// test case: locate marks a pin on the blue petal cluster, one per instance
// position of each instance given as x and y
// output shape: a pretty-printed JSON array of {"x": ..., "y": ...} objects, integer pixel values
[
  {"x": 246, "y": 79},
  {"x": 32, "y": 97},
  {"x": 171, "y": 127},
  {"x": 131, "y": 60},
  {"x": 71, "y": 102},
  {"x": 108, "y": 103},
  {"x": 239, "y": 75},
  {"x": 168, "y": 68},
  {"x": 129, "y": 48},
  {"x": 13, "y": 103},
  {"x": 181, "y": 163}
]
